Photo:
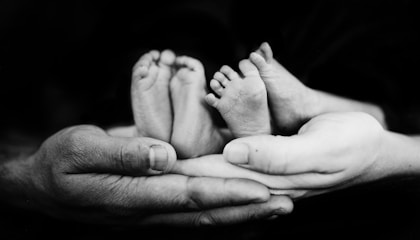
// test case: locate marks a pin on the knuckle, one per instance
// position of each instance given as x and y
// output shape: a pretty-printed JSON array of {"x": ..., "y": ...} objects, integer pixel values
[
  {"x": 73, "y": 145},
  {"x": 286, "y": 206},
  {"x": 286, "y": 209},
  {"x": 132, "y": 156},
  {"x": 123, "y": 158},
  {"x": 204, "y": 219},
  {"x": 189, "y": 203},
  {"x": 75, "y": 138},
  {"x": 193, "y": 196},
  {"x": 252, "y": 215}
]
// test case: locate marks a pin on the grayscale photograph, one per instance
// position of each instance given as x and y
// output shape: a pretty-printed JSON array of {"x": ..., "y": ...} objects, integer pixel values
[{"x": 209, "y": 119}]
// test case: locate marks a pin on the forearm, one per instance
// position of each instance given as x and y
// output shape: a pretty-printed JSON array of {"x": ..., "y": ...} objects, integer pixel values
[
  {"x": 400, "y": 155},
  {"x": 326, "y": 102},
  {"x": 15, "y": 171}
]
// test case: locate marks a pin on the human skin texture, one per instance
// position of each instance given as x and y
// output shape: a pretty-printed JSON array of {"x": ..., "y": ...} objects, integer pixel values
[
  {"x": 330, "y": 152},
  {"x": 88, "y": 175}
]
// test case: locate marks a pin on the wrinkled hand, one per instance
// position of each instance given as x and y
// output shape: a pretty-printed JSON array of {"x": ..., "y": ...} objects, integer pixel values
[{"x": 85, "y": 174}]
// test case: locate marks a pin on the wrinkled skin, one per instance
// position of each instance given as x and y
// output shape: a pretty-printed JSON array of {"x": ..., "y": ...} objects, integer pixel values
[{"x": 83, "y": 173}]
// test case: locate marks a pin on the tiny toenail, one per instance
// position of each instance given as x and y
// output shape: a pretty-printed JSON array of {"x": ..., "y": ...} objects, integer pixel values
[
  {"x": 254, "y": 55},
  {"x": 158, "y": 157},
  {"x": 236, "y": 153}
]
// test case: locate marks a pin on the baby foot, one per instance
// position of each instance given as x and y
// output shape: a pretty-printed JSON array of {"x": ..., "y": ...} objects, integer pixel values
[
  {"x": 287, "y": 96},
  {"x": 151, "y": 101},
  {"x": 194, "y": 133},
  {"x": 242, "y": 101}
]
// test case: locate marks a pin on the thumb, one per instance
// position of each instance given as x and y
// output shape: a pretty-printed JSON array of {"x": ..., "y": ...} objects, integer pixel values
[
  {"x": 97, "y": 151},
  {"x": 274, "y": 154}
]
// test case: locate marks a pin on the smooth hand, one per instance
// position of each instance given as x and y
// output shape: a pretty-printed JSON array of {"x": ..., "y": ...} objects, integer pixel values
[{"x": 330, "y": 151}]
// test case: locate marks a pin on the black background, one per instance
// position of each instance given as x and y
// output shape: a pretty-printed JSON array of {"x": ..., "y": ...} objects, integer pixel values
[{"x": 69, "y": 62}]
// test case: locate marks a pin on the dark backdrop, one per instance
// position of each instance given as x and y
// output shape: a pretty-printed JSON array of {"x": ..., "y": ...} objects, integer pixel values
[{"x": 68, "y": 62}]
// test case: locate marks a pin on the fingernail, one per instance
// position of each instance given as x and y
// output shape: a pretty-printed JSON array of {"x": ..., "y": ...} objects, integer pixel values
[
  {"x": 236, "y": 153},
  {"x": 158, "y": 157}
]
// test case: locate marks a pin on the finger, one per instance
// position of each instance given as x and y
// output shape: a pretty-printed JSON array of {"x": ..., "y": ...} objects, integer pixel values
[
  {"x": 216, "y": 166},
  {"x": 276, "y": 154},
  {"x": 126, "y": 131},
  {"x": 135, "y": 155},
  {"x": 276, "y": 206},
  {"x": 297, "y": 195},
  {"x": 163, "y": 193},
  {"x": 92, "y": 150}
]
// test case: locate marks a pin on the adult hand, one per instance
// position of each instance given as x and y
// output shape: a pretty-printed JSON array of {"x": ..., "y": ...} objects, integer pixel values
[
  {"x": 330, "y": 151},
  {"x": 85, "y": 174}
]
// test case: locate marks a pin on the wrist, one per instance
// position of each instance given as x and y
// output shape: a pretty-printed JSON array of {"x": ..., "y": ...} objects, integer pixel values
[
  {"x": 399, "y": 155},
  {"x": 323, "y": 102},
  {"x": 16, "y": 185}
]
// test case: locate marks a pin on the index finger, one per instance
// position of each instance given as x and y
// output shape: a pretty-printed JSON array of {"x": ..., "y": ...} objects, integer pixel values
[
  {"x": 165, "y": 193},
  {"x": 275, "y": 206}
]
